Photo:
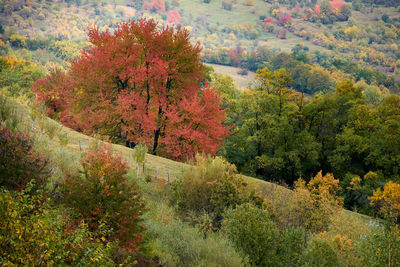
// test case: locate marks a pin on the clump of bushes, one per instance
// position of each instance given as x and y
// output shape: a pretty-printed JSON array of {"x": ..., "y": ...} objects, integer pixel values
[
  {"x": 253, "y": 232},
  {"x": 19, "y": 162},
  {"x": 102, "y": 192},
  {"x": 210, "y": 186},
  {"x": 32, "y": 233}
]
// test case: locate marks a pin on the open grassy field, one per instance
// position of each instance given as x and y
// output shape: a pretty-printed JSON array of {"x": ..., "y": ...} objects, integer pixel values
[{"x": 241, "y": 80}]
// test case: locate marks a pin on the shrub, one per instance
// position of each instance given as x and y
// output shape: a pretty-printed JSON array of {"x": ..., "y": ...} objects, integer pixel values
[
  {"x": 102, "y": 192},
  {"x": 387, "y": 202},
  {"x": 385, "y": 18},
  {"x": 253, "y": 232},
  {"x": 320, "y": 252},
  {"x": 310, "y": 205},
  {"x": 19, "y": 163},
  {"x": 227, "y": 5},
  {"x": 380, "y": 247},
  {"x": 178, "y": 244},
  {"x": 139, "y": 153},
  {"x": 210, "y": 186},
  {"x": 34, "y": 234}
]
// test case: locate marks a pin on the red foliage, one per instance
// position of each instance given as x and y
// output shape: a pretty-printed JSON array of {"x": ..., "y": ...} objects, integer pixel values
[
  {"x": 195, "y": 122},
  {"x": 235, "y": 54},
  {"x": 128, "y": 84},
  {"x": 173, "y": 17},
  {"x": 317, "y": 9},
  {"x": 285, "y": 18},
  {"x": 19, "y": 163},
  {"x": 158, "y": 5},
  {"x": 103, "y": 192},
  {"x": 282, "y": 34},
  {"x": 337, "y": 5},
  {"x": 268, "y": 20}
]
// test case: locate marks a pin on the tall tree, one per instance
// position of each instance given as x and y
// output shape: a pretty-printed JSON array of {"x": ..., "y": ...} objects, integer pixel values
[{"x": 137, "y": 84}]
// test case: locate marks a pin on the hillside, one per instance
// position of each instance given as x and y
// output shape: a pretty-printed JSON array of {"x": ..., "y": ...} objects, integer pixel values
[
  {"x": 73, "y": 144},
  {"x": 200, "y": 133}
]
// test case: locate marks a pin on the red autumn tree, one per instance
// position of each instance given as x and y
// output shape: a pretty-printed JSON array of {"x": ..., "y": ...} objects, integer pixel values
[
  {"x": 268, "y": 20},
  {"x": 158, "y": 5},
  {"x": 337, "y": 5},
  {"x": 138, "y": 84},
  {"x": 284, "y": 18},
  {"x": 317, "y": 9},
  {"x": 173, "y": 17}
]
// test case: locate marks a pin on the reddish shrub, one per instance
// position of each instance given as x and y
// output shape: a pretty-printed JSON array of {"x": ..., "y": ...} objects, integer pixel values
[
  {"x": 19, "y": 163},
  {"x": 102, "y": 192},
  {"x": 173, "y": 17},
  {"x": 285, "y": 19},
  {"x": 337, "y": 5},
  {"x": 317, "y": 9}
]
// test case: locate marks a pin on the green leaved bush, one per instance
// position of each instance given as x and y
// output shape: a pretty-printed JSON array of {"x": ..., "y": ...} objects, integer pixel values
[
  {"x": 380, "y": 247},
  {"x": 33, "y": 233},
  {"x": 255, "y": 234},
  {"x": 102, "y": 191},
  {"x": 320, "y": 252},
  {"x": 210, "y": 186},
  {"x": 139, "y": 153}
]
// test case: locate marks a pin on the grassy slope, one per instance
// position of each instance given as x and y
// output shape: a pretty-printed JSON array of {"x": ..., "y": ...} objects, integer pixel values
[
  {"x": 241, "y": 80},
  {"x": 79, "y": 143}
]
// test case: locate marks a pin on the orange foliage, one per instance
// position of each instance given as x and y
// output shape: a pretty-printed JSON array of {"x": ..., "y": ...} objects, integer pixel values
[{"x": 388, "y": 200}]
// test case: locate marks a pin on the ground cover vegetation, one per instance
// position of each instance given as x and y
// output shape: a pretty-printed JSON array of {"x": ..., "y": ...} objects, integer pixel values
[{"x": 328, "y": 136}]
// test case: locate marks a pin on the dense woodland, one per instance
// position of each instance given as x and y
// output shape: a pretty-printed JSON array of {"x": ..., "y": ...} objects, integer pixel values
[{"x": 319, "y": 127}]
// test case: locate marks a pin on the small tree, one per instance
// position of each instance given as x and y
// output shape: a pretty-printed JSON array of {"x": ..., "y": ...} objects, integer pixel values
[
  {"x": 139, "y": 154},
  {"x": 253, "y": 232},
  {"x": 101, "y": 192},
  {"x": 387, "y": 201}
]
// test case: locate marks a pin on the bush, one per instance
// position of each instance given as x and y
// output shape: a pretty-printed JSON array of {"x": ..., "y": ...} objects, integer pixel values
[
  {"x": 380, "y": 247},
  {"x": 210, "y": 186},
  {"x": 139, "y": 153},
  {"x": 102, "y": 192},
  {"x": 19, "y": 163},
  {"x": 227, "y": 5},
  {"x": 385, "y": 18},
  {"x": 178, "y": 244},
  {"x": 254, "y": 233},
  {"x": 34, "y": 234},
  {"x": 320, "y": 252}
]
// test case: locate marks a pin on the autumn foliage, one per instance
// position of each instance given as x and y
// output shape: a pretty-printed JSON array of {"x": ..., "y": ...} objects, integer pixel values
[
  {"x": 139, "y": 84},
  {"x": 19, "y": 163},
  {"x": 173, "y": 17},
  {"x": 387, "y": 201},
  {"x": 156, "y": 5},
  {"x": 102, "y": 193},
  {"x": 337, "y": 5}
]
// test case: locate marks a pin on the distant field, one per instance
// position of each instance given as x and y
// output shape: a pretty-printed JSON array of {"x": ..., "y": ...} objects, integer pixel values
[{"x": 241, "y": 80}]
